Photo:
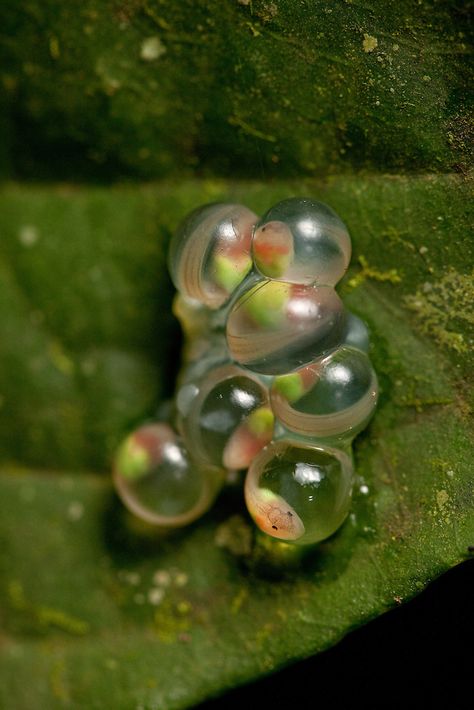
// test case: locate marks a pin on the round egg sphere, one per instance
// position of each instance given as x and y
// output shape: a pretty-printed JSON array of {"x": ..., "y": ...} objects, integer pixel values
[
  {"x": 302, "y": 241},
  {"x": 333, "y": 397},
  {"x": 277, "y": 327},
  {"x": 299, "y": 492},
  {"x": 158, "y": 481},
  {"x": 225, "y": 417},
  {"x": 210, "y": 253}
]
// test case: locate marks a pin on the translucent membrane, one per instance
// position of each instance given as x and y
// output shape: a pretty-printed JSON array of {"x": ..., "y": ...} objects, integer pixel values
[
  {"x": 302, "y": 241},
  {"x": 201, "y": 357},
  {"x": 334, "y": 397},
  {"x": 225, "y": 418},
  {"x": 204, "y": 348},
  {"x": 195, "y": 319},
  {"x": 356, "y": 333},
  {"x": 299, "y": 492},
  {"x": 278, "y": 327},
  {"x": 158, "y": 481},
  {"x": 210, "y": 253}
]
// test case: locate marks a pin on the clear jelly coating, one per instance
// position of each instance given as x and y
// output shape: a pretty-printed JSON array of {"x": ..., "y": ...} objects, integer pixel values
[
  {"x": 195, "y": 319},
  {"x": 334, "y": 397},
  {"x": 158, "y": 481},
  {"x": 302, "y": 241},
  {"x": 210, "y": 253},
  {"x": 204, "y": 347},
  {"x": 200, "y": 357},
  {"x": 225, "y": 418},
  {"x": 278, "y": 327},
  {"x": 356, "y": 333},
  {"x": 297, "y": 492}
]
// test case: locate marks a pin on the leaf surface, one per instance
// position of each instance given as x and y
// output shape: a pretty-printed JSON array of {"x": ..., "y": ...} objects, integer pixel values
[
  {"x": 97, "y": 611},
  {"x": 152, "y": 88}
]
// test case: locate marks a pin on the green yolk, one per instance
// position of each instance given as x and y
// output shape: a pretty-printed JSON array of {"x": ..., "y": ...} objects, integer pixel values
[
  {"x": 266, "y": 306},
  {"x": 132, "y": 461},
  {"x": 289, "y": 386},
  {"x": 260, "y": 421},
  {"x": 230, "y": 272}
]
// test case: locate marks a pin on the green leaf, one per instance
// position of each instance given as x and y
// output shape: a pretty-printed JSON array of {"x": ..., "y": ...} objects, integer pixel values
[
  {"x": 153, "y": 88},
  {"x": 96, "y": 610}
]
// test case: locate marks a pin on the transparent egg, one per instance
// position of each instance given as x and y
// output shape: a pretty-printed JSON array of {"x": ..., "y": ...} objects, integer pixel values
[
  {"x": 225, "y": 418},
  {"x": 158, "y": 481},
  {"x": 202, "y": 357},
  {"x": 297, "y": 492},
  {"x": 210, "y": 253},
  {"x": 277, "y": 327},
  {"x": 194, "y": 318},
  {"x": 334, "y": 397},
  {"x": 302, "y": 241},
  {"x": 356, "y": 333}
]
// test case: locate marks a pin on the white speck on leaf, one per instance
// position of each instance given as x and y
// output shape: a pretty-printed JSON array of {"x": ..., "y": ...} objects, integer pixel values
[
  {"x": 75, "y": 511},
  {"x": 28, "y": 235},
  {"x": 162, "y": 578},
  {"x": 152, "y": 48},
  {"x": 156, "y": 596}
]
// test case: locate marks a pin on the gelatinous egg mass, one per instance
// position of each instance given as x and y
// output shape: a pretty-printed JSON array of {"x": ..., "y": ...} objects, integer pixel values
[
  {"x": 275, "y": 375},
  {"x": 210, "y": 253},
  {"x": 225, "y": 418},
  {"x": 277, "y": 327},
  {"x": 334, "y": 397},
  {"x": 302, "y": 241},
  {"x": 195, "y": 319},
  {"x": 299, "y": 492},
  {"x": 158, "y": 481}
]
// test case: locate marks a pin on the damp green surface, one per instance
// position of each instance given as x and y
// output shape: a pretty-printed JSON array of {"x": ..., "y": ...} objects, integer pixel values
[
  {"x": 98, "y": 611},
  {"x": 117, "y": 118},
  {"x": 113, "y": 88}
]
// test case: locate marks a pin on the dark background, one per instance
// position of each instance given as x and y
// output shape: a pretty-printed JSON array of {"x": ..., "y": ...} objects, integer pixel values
[{"x": 420, "y": 653}]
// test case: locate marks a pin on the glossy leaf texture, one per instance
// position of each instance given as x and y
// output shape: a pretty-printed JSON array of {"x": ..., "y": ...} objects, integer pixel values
[
  {"x": 243, "y": 87},
  {"x": 99, "y": 612}
]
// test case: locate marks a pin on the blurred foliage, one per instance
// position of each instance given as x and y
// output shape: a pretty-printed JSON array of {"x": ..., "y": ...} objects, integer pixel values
[{"x": 114, "y": 88}]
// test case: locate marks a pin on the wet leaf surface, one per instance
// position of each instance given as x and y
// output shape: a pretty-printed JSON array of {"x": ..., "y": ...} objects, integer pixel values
[
  {"x": 151, "y": 88},
  {"x": 98, "y": 611}
]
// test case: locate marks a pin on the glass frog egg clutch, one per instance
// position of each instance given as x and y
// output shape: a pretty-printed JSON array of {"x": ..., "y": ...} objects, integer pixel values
[{"x": 276, "y": 380}]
